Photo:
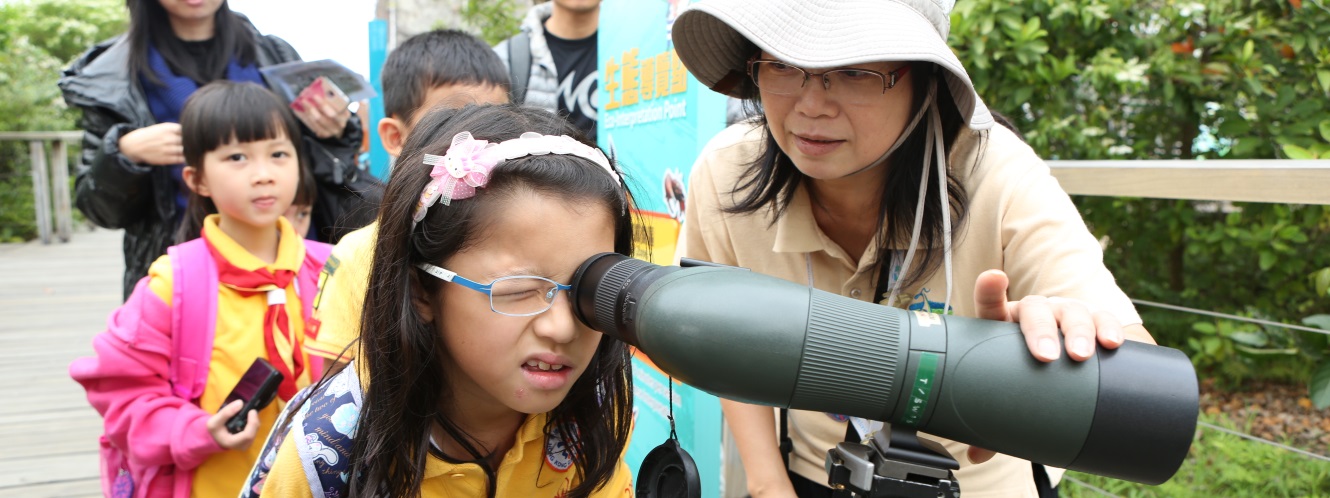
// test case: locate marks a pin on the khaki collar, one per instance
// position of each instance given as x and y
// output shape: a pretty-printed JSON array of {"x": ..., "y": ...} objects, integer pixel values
[{"x": 797, "y": 232}]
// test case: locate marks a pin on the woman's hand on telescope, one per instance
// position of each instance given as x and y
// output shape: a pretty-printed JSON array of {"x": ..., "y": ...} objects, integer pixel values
[{"x": 1041, "y": 319}]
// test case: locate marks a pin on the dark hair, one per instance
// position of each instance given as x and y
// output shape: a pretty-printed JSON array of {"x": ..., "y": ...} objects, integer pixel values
[
  {"x": 215, "y": 115},
  {"x": 404, "y": 354},
  {"x": 433, "y": 59},
  {"x": 772, "y": 179},
  {"x": 149, "y": 24}
]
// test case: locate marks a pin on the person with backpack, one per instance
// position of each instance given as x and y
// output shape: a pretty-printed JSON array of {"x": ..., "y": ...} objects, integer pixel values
[
  {"x": 475, "y": 378},
  {"x": 552, "y": 61},
  {"x": 441, "y": 68},
  {"x": 209, "y": 308},
  {"x": 130, "y": 90}
]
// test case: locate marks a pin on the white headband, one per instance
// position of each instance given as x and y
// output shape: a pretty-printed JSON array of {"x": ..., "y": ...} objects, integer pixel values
[{"x": 467, "y": 164}]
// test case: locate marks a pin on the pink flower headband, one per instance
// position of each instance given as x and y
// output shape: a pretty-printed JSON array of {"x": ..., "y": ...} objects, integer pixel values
[{"x": 467, "y": 164}]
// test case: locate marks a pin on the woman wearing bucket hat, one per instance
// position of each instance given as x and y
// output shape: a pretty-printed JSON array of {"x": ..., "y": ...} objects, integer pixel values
[{"x": 868, "y": 127}]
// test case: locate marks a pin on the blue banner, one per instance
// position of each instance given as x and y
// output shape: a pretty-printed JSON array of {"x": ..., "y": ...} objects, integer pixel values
[
  {"x": 654, "y": 118},
  {"x": 379, "y": 162}
]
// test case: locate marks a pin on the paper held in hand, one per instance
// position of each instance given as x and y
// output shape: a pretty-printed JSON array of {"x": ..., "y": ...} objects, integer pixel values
[{"x": 290, "y": 78}]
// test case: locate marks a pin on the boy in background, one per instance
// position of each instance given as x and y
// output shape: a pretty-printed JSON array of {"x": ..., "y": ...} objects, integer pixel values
[{"x": 443, "y": 68}]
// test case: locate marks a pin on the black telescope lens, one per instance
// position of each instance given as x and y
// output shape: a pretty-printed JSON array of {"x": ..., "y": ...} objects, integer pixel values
[
  {"x": 606, "y": 289},
  {"x": 586, "y": 281}
]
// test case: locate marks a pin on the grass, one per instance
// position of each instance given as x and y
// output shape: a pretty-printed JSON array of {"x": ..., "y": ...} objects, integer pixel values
[{"x": 1222, "y": 465}]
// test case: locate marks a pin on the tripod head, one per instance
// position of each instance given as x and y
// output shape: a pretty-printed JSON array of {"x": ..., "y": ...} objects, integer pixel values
[{"x": 893, "y": 463}]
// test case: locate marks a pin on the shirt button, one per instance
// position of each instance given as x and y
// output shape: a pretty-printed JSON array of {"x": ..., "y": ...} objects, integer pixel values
[{"x": 855, "y": 293}]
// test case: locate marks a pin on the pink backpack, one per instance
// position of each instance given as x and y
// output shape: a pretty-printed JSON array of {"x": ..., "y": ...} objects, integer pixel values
[{"x": 193, "y": 319}]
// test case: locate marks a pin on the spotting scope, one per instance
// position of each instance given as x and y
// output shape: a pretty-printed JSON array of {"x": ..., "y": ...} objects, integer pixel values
[{"x": 1128, "y": 413}]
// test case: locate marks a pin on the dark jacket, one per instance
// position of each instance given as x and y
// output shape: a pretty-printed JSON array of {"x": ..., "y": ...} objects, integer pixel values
[{"x": 114, "y": 192}]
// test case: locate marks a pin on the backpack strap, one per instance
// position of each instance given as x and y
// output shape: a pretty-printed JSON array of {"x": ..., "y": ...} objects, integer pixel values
[
  {"x": 519, "y": 65},
  {"x": 307, "y": 279},
  {"x": 307, "y": 287},
  {"x": 323, "y": 430},
  {"x": 193, "y": 316}
]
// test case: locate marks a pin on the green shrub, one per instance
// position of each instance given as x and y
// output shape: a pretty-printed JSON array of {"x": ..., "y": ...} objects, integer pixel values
[
  {"x": 38, "y": 38},
  {"x": 1160, "y": 79}
]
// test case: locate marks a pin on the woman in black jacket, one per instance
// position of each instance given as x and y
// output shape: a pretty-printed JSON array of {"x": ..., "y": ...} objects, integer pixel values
[{"x": 131, "y": 89}]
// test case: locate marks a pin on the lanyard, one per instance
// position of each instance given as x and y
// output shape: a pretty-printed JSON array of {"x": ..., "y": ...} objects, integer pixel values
[{"x": 861, "y": 430}]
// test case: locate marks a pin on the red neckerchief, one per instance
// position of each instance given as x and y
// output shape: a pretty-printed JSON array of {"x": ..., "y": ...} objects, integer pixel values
[{"x": 276, "y": 325}]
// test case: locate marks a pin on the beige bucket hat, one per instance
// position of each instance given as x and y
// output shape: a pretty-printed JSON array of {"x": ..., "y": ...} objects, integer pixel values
[{"x": 715, "y": 38}]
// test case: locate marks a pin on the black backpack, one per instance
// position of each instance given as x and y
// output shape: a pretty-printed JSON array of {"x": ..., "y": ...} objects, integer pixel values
[
  {"x": 348, "y": 198},
  {"x": 519, "y": 66}
]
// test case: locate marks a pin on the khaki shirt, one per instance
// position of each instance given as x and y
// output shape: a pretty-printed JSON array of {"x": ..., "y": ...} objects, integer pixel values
[{"x": 1019, "y": 220}]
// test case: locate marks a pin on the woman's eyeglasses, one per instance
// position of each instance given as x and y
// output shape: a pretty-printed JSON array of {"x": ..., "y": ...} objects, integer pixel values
[
  {"x": 521, "y": 295},
  {"x": 850, "y": 85}
]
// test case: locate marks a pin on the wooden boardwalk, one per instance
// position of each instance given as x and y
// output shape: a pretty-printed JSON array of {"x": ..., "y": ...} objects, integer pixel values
[{"x": 53, "y": 300}]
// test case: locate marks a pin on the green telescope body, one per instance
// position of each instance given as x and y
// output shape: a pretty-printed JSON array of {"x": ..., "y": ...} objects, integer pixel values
[{"x": 1128, "y": 413}]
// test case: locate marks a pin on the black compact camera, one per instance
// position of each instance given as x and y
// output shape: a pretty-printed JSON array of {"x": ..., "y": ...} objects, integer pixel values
[{"x": 256, "y": 388}]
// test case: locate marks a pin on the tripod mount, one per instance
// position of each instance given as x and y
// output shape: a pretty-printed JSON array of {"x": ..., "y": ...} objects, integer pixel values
[{"x": 895, "y": 463}]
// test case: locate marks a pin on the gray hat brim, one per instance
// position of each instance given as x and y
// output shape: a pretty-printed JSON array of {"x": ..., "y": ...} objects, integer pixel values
[{"x": 715, "y": 39}]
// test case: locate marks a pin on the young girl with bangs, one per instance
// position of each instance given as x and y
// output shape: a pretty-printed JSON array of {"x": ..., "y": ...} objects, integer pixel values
[
  {"x": 475, "y": 378},
  {"x": 131, "y": 90},
  {"x": 237, "y": 293}
]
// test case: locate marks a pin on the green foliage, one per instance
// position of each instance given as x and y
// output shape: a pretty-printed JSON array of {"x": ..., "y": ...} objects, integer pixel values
[
  {"x": 1164, "y": 79},
  {"x": 1222, "y": 465},
  {"x": 1232, "y": 350},
  {"x": 17, "y": 210},
  {"x": 494, "y": 20},
  {"x": 1321, "y": 281},
  {"x": 1320, "y": 384},
  {"x": 62, "y": 29},
  {"x": 38, "y": 38}
]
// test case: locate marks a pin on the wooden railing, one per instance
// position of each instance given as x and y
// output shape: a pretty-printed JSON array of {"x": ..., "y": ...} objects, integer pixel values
[
  {"x": 1279, "y": 181},
  {"x": 50, "y": 185}
]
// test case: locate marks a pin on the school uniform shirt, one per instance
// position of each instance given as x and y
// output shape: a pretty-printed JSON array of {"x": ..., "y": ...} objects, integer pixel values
[
  {"x": 238, "y": 340},
  {"x": 1019, "y": 220},
  {"x": 535, "y": 467},
  {"x": 342, "y": 287}
]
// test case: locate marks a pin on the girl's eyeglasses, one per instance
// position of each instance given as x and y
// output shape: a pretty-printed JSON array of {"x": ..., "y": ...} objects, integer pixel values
[
  {"x": 520, "y": 295},
  {"x": 849, "y": 84}
]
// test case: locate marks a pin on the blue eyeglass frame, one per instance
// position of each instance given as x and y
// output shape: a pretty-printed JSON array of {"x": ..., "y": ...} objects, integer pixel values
[{"x": 447, "y": 275}]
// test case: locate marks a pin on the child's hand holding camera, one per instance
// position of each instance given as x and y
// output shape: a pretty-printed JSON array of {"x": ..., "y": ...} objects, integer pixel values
[{"x": 224, "y": 438}]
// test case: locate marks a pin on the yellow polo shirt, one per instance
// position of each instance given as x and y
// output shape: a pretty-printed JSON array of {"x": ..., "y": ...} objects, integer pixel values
[
  {"x": 237, "y": 340},
  {"x": 1019, "y": 220},
  {"x": 526, "y": 471},
  {"x": 342, "y": 288}
]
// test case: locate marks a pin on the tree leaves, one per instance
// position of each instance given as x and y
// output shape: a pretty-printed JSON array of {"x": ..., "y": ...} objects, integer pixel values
[
  {"x": 1320, "y": 386},
  {"x": 1110, "y": 80},
  {"x": 37, "y": 39}
]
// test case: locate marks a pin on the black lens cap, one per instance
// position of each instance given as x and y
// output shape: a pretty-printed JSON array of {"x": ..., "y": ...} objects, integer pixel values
[{"x": 668, "y": 472}]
